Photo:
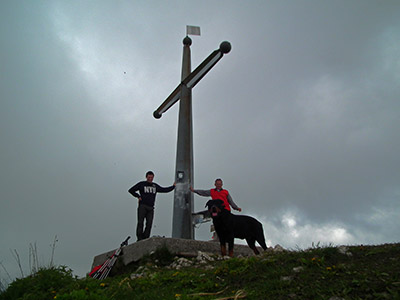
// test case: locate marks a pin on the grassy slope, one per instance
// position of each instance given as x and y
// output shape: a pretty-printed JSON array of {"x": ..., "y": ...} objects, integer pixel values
[{"x": 361, "y": 272}]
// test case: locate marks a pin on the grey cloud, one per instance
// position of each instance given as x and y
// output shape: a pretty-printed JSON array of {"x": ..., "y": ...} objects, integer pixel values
[{"x": 300, "y": 119}]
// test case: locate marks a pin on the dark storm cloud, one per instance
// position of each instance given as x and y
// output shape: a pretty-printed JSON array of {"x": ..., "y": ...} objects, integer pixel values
[{"x": 300, "y": 119}]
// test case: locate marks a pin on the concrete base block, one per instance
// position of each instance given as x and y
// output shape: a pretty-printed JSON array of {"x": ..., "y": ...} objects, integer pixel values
[{"x": 181, "y": 247}]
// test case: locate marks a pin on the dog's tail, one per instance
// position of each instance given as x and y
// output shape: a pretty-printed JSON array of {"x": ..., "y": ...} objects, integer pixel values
[{"x": 261, "y": 238}]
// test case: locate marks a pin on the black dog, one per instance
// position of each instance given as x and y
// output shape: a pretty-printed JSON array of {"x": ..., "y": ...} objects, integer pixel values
[{"x": 229, "y": 226}]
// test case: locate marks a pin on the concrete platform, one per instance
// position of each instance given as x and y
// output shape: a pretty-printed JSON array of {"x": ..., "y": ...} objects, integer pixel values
[{"x": 181, "y": 247}]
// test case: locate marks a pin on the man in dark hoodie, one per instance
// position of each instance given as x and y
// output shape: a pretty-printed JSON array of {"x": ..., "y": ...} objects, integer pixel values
[{"x": 146, "y": 196}]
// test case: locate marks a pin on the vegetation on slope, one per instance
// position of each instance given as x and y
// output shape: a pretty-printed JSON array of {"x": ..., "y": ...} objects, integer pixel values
[{"x": 356, "y": 272}]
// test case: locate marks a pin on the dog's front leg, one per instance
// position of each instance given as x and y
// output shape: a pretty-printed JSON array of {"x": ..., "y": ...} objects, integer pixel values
[
  {"x": 223, "y": 249},
  {"x": 230, "y": 246},
  {"x": 255, "y": 250}
]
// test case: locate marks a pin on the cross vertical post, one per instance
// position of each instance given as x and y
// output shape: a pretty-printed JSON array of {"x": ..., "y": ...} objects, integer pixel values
[
  {"x": 183, "y": 199},
  {"x": 182, "y": 224}
]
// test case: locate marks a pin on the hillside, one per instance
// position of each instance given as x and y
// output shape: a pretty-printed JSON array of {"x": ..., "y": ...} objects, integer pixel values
[{"x": 352, "y": 272}]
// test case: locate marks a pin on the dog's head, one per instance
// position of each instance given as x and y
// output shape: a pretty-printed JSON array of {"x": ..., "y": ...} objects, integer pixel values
[{"x": 215, "y": 207}]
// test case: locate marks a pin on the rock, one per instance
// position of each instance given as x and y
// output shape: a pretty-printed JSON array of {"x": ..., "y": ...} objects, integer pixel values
[
  {"x": 203, "y": 257},
  {"x": 278, "y": 248},
  {"x": 180, "y": 263},
  {"x": 344, "y": 250},
  {"x": 140, "y": 272},
  {"x": 298, "y": 269},
  {"x": 286, "y": 278}
]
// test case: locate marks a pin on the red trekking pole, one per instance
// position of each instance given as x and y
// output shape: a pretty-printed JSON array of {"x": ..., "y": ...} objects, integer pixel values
[{"x": 102, "y": 271}]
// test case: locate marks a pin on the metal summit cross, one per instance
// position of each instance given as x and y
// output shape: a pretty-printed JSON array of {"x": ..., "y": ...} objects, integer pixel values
[{"x": 182, "y": 224}]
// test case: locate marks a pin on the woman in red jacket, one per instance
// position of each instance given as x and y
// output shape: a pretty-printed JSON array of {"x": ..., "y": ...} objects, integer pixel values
[{"x": 218, "y": 193}]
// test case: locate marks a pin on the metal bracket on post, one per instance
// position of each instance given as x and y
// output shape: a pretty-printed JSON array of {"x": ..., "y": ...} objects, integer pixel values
[
  {"x": 201, "y": 217},
  {"x": 180, "y": 175}
]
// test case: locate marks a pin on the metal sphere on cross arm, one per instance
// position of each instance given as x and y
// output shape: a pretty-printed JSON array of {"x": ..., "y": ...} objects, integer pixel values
[
  {"x": 156, "y": 115},
  {"x": 225, "y": 47}
]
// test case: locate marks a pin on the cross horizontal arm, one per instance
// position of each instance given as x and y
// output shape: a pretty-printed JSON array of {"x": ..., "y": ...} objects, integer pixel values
[
  {"x": 193, "y": 78},
  {"x": 171, "y": 100}
]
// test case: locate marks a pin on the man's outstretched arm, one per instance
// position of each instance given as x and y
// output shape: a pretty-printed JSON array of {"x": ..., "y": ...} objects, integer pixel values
[{"x": 204, "y": 193}]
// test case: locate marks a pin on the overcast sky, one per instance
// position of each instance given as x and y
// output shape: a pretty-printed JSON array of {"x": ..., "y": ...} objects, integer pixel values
[{"x": 301, "y": 120}]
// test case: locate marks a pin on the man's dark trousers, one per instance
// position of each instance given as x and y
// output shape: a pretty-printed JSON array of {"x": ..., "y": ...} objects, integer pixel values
[{"x": 144, "y": 212}]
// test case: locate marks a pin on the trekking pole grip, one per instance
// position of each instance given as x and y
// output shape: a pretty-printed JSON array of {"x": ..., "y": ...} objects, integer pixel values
[{"x": 124, "y": 243}]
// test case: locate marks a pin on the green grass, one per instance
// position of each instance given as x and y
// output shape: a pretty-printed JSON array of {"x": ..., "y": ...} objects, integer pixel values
[{"x": 363, "y": 272}]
